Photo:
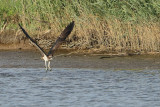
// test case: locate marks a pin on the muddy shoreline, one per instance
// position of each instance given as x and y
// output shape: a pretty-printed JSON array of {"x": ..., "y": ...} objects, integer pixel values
[
  {"x": 23, "y": 47},
  {"x": 31, "y": 59}
]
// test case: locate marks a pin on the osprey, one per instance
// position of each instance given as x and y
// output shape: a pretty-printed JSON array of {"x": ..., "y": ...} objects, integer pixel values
[{"x": 48, "y": 57}]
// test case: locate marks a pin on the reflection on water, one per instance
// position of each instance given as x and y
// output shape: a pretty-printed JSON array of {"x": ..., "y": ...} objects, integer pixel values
[{"x": 20, "y": 87}]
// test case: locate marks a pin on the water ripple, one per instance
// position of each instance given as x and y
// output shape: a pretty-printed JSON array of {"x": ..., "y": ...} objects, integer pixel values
[{"x": 79, "y": 87}]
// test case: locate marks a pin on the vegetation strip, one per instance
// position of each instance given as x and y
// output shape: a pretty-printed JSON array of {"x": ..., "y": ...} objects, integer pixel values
[{"x": 100, "y": 25}]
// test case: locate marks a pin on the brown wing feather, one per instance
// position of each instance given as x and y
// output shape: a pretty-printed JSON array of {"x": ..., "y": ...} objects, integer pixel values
[
  {"x": 34, "y": 43},
  {"x": 61, "y": 38}
]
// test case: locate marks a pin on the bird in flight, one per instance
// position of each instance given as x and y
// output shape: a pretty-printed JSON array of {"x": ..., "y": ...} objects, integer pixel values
[{"x": 48, "y": 57}]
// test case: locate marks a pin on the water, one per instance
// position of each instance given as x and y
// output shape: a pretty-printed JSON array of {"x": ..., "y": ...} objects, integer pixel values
[{"x": 73, "y": 87}]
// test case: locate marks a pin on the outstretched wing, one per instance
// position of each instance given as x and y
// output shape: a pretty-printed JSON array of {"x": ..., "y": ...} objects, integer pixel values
[
  {"x": 34, "y": 43},
  {"x": 61, "y": 38}
]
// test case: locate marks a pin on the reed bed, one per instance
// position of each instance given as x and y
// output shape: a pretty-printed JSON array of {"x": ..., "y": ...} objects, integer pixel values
[{"x": 100, "y": 25}]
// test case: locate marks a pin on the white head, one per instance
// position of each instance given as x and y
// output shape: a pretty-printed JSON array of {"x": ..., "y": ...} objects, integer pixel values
[{"x": 47, "y": 58}]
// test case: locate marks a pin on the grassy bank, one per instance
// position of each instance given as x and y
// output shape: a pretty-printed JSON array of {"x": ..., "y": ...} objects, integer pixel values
[{"x": 101, "y": 25}]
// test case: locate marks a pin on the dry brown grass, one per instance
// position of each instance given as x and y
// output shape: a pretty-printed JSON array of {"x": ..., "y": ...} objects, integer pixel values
[
  {"x": 96, "y": 34},
  {"x": 114, "y": 35}
]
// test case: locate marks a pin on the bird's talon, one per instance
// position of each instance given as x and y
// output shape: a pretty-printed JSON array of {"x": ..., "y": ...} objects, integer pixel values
[{"x": 46, "y": 69}]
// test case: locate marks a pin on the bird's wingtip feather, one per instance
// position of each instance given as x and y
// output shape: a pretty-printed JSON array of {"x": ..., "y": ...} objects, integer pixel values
[
  {"x": 72, "y": 22},
  {"x": 20, "y": 25}
]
